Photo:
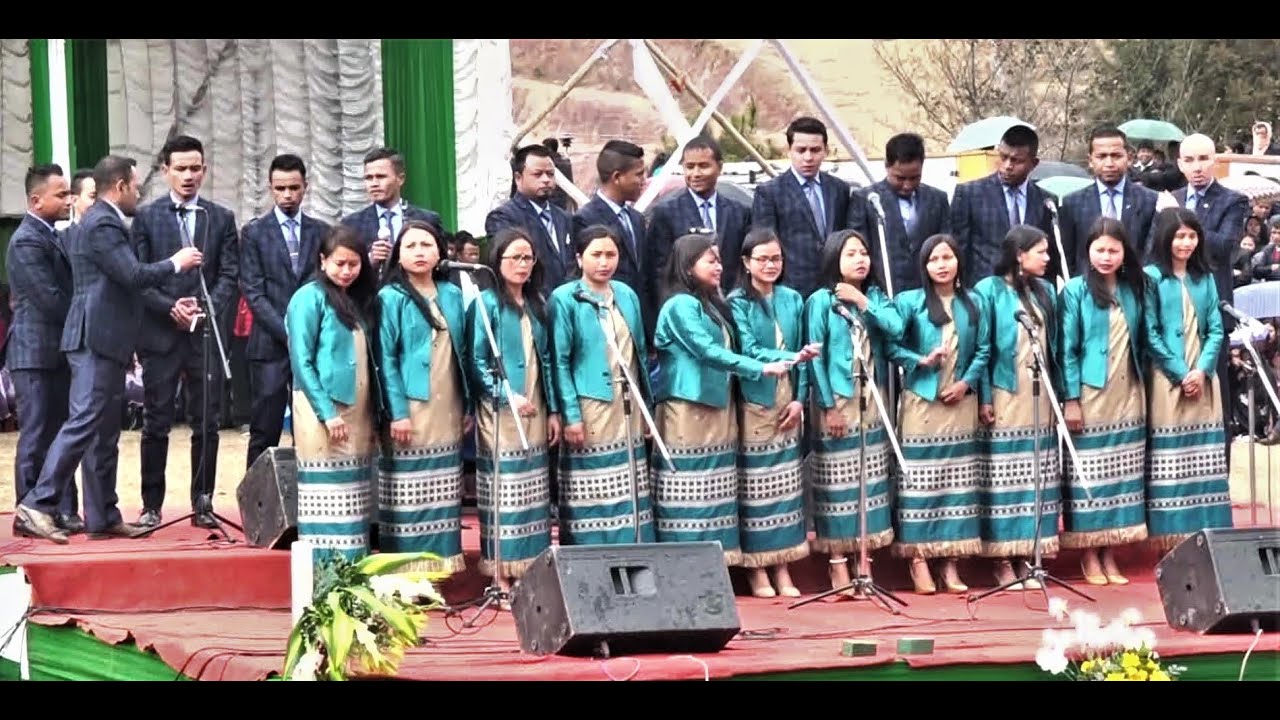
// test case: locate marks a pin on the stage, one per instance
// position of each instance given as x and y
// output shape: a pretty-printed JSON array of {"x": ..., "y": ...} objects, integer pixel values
[{"x": 184, "y": 603}]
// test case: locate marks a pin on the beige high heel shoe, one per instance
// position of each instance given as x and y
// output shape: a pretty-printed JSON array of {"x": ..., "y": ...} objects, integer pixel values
[{"x": 921, "y": 577}]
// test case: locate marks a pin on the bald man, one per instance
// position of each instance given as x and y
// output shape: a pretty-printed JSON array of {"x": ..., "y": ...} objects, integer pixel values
[{"x": 1222, "y": 212}]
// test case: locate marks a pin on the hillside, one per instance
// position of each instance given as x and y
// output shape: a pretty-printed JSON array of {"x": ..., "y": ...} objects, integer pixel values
[{"x": 608, "y": 103}]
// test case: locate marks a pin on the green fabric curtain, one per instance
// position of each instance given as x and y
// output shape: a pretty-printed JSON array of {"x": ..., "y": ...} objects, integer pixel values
[
  {"x": 41, "y": 120},
  {"x": 417, "y": 106},
  {"x": 87, "y": 102}
]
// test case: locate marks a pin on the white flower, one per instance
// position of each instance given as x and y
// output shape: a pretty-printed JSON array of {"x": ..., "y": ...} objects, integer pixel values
[
  {"x": 307, "y": 666},
  {"x": 366, "y": 638},
  {"x": 1051, "y": 660},
  {"x": 1057, "y": 640},
  {"x": 384, "y": 586},
  {"x": 1131, "y": 616},
  {"x": 1058, "y": 608},
  {"x": 421, "y": 589}
]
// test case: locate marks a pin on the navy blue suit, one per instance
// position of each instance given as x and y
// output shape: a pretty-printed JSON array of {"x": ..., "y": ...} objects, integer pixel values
[
  {"x": 171, "y": 355},
  {"x": 40, "y": 282},
  {"x": 932, "y": 217},
  {"x": 781, "y": 204},
  {"x": 368, "y": 219},
  {"x": 99, "y": 338},
  {"x": 268, "y": 282},
  {"x": 556, "y": 256},
  {"x": 1082, "y": 208},
  {"x": 980, "y": 222},
  {"x": 635, "y": 264},
  {"x": 675, "y": 215}
]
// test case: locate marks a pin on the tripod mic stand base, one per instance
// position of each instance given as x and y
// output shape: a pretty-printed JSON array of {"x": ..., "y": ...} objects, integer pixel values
[
  {"x": 864, "y": 589},
  {"x": 219, "y": 522},
  {"x": 1041, "y": 576},
  {"x": 492, "y": 594}
]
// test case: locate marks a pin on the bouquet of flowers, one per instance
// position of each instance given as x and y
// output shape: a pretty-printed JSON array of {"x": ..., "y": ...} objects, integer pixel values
[
  {"x": 1090, "y": 651},
  {"x": 363, "y": 612}
]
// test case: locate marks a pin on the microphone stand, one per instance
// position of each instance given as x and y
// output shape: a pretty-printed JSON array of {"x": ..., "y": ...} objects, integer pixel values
[
  {"x": 629, "y": 391},
  {"x": 892, "y": 385},
  {"x": 862, "y": 583},
  {"x": 1252, "y": 370},
  {"x": 209, "y": 324},
  {"x": 1035, "y": 569},
  {"x": 493, "y": 592}
]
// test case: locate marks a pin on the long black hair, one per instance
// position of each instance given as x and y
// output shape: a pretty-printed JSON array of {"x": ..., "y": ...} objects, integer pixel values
[
  {"x": 1168, "y": 222},
  {"x": 534, "y": 301},
  {"x": 678, "y": 276},
  {"x": 829, "y": 270},
  {"x": 355, "y": 304},
  {"x": 937, "y": 312},
  {"x": 1021, "y": 239},
  {"x": 754, "y": 239},
  {"x": 1130, "y": 271},
  {"x": 397, "y": 276},
  {"x": 588, "y": 235}
]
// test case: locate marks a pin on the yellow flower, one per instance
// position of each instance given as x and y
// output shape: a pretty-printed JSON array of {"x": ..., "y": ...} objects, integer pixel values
[
  {"x": 1086, "y": 666},
  {"x": 1115, "y": 676},
  {"x": 1157, "y": 675},
  {"x": 1137, "y": 674},
  {"x": 1129, "y": 660}
]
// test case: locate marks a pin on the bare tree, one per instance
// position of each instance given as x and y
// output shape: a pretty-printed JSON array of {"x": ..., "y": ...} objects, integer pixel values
[{"x": 958, "y": 82}]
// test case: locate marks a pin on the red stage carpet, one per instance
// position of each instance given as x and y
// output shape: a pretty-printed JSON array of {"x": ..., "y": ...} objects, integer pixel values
[{"x": 217, "y": 611}]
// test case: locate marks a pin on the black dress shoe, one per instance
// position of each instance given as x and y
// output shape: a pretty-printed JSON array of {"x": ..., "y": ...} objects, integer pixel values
[
  {"x": 205, "y": 520},
  {"x": 71, "y": 523},
  {"x": 148, "y": 518},
  {"x": 38, "y": 524}
]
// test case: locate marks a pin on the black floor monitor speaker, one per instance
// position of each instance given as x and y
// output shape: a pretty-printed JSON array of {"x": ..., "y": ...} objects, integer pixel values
[
  {"x": 611, "y": 600},
  {"x": 1223, "y": 581},
  {"x": 268, "y": 498}
]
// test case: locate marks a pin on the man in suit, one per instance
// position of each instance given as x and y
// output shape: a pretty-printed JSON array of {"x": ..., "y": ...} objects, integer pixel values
[
  {"x": 98, "y": 338},
  {"x": 1112, "y": 194},
  {"x": 803, "y": 205},
  {"x": 983, "y": 210},
  {"x": 700, "y": 206},
  {"x": 40, "y": 282},
  {"x": 380, "y": 221},
  {"x": 1222, "y": 213},
  {"x": 169, "y": 349},
  {"x": 531, "y": 210},
  {"x": 913, "y": 211},
  {"x": 279, "y": 253},
  {"x": 620, "y": 166}
]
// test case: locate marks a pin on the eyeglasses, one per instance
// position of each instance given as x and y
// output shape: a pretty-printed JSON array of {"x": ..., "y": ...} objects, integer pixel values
[
  {"x": 770, "y": 260},
  {"x": 521, "y": 259}
]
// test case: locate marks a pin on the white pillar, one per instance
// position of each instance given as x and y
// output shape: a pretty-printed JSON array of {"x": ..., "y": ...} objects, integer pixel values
[
  {"x": 59, "y": 118},
  {"x": 301, "y": 577}
]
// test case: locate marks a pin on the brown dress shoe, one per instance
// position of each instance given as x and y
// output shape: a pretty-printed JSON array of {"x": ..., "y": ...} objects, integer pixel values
[
  {"x": 39, "y": 524},
  {"x": 119, "y": 530}
]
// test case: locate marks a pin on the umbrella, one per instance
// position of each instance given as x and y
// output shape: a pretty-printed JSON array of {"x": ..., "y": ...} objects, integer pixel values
[
  {"x": 1154, "y": 130},
  {"x": 1061, "y": 185},
  {"x": 1054, "y": 168},
  {"x": 984, "y": 134},
  {"x": 1253, "y": 187}
]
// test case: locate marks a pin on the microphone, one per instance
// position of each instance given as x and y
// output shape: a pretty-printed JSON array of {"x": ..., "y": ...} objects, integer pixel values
[
  {"x": 839, "y": 309},
  {"x": 874, "y": 199},
  {"x": 1025, "y": 321},
  {"x": 1240, "y": 317},
  {"x": 1052, "y": 208},
  {"x": 448, "y": 265},
  {"x": 582, "y": 296}
]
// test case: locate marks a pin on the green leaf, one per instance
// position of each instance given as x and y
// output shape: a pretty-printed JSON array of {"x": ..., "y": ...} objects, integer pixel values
[
  {"x": 294, "y": 652},
  {"x": 342, "y": 634},
  {"x": 382, "y": 563},
  {"x": 400, "y": 622}
]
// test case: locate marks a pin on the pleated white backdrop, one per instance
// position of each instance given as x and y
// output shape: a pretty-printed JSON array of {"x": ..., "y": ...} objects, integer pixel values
[{"x": 15, "y": 124}]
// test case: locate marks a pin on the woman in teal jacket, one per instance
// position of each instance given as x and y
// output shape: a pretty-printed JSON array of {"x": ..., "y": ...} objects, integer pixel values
[
  {"x": 850, "y": 284},
  {"x": 422, "y": 349},
  {"x": 944, "y": 351},
  {"x": 595, "y": 478},
  {"x": 517, "y": 316},
  {"x": 1006, "y": 394},
  {"x": 329, "y": 323},
  {"x": 696, "y": 415},
  {"x": 1187, "y": 488},
  {"x": 1104, "y": 402},
  {"x": 769, "y": 320}
]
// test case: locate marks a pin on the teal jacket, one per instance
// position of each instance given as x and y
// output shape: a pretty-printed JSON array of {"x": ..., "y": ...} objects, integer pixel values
[
  {"x": 583, "y": 359},
  {"x": 832, "y": 371},
  {"x": 920, "y": 337},
  {"x": 506, "y": 331},
  {"x": 695, "y": 364},
  {"x": 1164, "y": 323},
  {"x": 1001, "y": 303},
  {"x": 1086, "y": 336},
  {"x": 405, "y": 338},
  {"x": 757, "y": 334},
  {"x": 322, "y": 351}
]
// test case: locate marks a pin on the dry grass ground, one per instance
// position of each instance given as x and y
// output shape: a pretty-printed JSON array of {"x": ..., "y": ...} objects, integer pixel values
[{"x": 233, "y": 444}]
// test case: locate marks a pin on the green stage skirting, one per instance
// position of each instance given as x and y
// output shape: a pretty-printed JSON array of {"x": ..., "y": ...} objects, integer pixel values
[{"x": 66, "y": 653}]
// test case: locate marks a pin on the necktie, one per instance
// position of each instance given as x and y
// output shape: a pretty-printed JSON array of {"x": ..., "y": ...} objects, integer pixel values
[
  {"x": 626, "y": 227},
  {"x": 815, "y": 204},
  {"x": 1013, "y": 207},
  {"x": 1109, "y": 210},
  {"x": 387, "y": 215},
  {"x": 545, "y": 216},
  {"x": 707, "y": 222},
  {"x": 188, "y": 232},
  {"x": 291, "y": 240},
  {"x": 909, "y": 217},
  {"x": 1192, "y": 200}
]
